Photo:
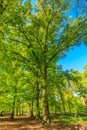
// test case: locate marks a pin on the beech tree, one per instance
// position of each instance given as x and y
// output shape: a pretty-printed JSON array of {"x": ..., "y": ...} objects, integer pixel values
[
  {"x": 83, "y": 86},
  {"x": 42, "y": 37}
]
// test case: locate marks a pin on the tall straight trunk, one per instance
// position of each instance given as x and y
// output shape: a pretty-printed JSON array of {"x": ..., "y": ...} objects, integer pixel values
[
  {"x": 85, "y": 101},
  {"x": 68, "y": 100},
  {"x": 22, "y": 111},
  {"x": 31, "y": 108},
  {"x": 17, "y": 108},
  {"x": 13, "y": 107},
  {"x": 45, "y": 99},
  {"x": 63, "y": 105},
  {"x": 37, "y": 100},
  {"x": 62, "y": 99},
  {"x": 21, "y": 108},
  {"x": 69, "y": 108}
]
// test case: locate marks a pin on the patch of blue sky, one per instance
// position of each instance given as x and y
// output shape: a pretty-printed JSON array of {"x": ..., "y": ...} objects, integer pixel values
[{"x": 77, "y": 58}]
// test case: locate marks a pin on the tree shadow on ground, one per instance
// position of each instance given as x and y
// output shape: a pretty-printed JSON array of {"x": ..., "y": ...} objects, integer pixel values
[{"x": 25, "y": 123}]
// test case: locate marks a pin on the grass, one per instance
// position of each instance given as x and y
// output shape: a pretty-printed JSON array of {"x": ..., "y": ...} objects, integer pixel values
[{"x": 68, "y": 119}]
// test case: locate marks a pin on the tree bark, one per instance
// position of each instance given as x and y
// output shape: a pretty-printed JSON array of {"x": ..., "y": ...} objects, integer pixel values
[
  {"x": 69, "y": 108},
  {"x": 37, "y": 100},
  {"x": 13, "y": 107},
  {"x": 45, "y": 99},
  {"x": 17, "y": 108},
  {"x": 31, "y": 109},
  {"x": 62, "y": 99}
]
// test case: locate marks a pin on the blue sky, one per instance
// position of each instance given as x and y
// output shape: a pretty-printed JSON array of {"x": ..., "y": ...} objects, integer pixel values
[{"x": 76, "y": 58}]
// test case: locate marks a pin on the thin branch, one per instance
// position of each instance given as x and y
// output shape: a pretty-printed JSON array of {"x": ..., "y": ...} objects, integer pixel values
[
  {"x": 37, "y": 40},
  {"x": 16, "y": 40},
  {"x": 77, "y": 37},
  {"x": 33, "y": 52},
  {"x": 23, "y": 57}
]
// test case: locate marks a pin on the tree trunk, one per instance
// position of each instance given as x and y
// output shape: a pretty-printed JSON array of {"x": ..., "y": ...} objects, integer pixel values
[
  {"x": 21, "y": 108},
  {"x": 62, "y": 99},
  {"x": 17, "y": 108},
  {"x": 37, "y": 100},
  {"x": 31, "y": 109},
  {"x": 2, "y": 113},
  {"x": 85, "y": 101},
  {"x": 13, "y": 107},
  {"x": 22, "y": 111},
  {"x": 69, "y": 108},
  {"x": 45, "y": 99},
  {"x": 63, "y": 105}
]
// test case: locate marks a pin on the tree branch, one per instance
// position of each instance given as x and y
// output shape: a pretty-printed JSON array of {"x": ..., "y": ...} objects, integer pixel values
[
  {"x": 23, "y": 57},
  {"x": 33, "y": 52}
]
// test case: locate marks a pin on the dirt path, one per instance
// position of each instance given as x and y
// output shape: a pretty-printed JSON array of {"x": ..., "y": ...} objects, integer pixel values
[{"x": 24, "y": 123}]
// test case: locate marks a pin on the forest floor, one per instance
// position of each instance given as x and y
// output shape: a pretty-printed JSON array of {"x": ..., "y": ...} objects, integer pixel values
[{"x": 24, "y": 123}]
